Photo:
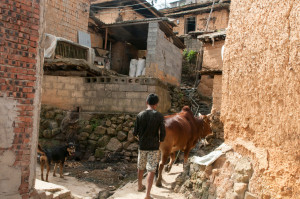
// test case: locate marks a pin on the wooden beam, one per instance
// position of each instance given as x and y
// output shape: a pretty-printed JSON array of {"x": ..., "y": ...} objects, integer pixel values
[
  {"x": 66, "y": 73},
  {"x": 106, "y": 34},
  {"x": 145, "y": 6}
]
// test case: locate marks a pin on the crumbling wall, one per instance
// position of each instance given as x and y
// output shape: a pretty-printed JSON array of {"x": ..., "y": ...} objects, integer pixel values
[
  {"x": 260, "y": 101},
  {"x": 219, "y": 20},
  {"x": 164, "y": 59},
  {"x": 105, "y": 94},
  {"x": 22, "y": 23},
  {"x": 113, "y": 15},
  {"x": 66, "y": 18}
]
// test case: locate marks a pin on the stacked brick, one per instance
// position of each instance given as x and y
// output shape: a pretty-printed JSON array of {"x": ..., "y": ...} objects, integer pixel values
[
  {"x": 65, "y": 18},
  {"x": 19, "y": 41}
]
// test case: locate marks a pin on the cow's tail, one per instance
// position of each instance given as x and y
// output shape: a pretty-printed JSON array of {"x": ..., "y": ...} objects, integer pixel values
[{"x": 157, "y": 167}]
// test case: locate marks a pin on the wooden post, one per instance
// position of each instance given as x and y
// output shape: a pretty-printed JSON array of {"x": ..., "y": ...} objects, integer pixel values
[
  {"x": 106, "y": 34},
  {"x": 199, "y": 65}
]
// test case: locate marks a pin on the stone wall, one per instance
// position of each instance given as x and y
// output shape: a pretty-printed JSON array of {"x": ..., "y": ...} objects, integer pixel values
[
  {"x": 260, "y": 101},
  {"x": 105, "y": 94},
  {"x": 164, "y": 59},
  {"x": 22, "y": 24},
  {"x": 105, "y": 137},
  {"x": 65, "y": 18},
  {"x": 219, "y": 20}
]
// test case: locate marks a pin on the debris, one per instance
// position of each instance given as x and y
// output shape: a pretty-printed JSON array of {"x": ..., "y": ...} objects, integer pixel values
[{"x": 211, "y": 157}]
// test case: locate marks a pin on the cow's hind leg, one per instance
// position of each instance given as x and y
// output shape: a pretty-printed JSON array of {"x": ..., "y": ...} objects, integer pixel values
[
  {"x": 163, "y": 161},
  {"x": 172, "y": 159}
]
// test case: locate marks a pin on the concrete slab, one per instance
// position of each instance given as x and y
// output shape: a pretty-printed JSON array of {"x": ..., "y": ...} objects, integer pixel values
[{"x": 129, "y": 191}]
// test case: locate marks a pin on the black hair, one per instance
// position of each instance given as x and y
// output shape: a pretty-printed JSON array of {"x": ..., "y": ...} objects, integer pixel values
[{"x": 152, "y": 99}]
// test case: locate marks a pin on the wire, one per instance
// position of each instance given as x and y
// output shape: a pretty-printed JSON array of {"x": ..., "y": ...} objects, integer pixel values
[{"x": 120, "y": 6}]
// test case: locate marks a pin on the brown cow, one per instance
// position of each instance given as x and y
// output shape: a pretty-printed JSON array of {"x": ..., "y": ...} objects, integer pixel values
[{"x": 183, "y": 131}]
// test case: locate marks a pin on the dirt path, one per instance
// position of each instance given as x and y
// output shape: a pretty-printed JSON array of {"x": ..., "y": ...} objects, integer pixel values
[
  {"x": 166, "y": 192},
  {"x": 86, "y": 190}
]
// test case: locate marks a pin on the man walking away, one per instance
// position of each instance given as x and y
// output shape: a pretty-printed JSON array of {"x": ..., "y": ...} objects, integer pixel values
[{"x": 150, "y": 129}]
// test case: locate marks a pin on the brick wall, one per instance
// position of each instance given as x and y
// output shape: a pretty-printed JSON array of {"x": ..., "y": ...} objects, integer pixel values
[
  {"x": 164, "y": 59},
  {"x": 65, "y": 17},
  {"x": 21, "y": 24},
  {"x": 103, "y": 94}
]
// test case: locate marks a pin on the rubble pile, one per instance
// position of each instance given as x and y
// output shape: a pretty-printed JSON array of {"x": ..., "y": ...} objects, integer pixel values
[{"x": 227, "y": 177}]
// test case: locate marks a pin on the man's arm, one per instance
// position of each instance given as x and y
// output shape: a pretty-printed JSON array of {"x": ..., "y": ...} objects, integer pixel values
[
  {"x": 162, "y": 130},
  {"x": 136, "y": 128}
]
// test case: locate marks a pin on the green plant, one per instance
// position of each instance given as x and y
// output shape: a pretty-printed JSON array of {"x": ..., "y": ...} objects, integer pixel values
[
  {"x": 191, "y": 56},
  {"x": 185, "y": 53},
  {"x": 94, "y": 123}
]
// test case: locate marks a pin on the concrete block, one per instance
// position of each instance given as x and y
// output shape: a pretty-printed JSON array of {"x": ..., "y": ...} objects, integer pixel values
[
  {"x": 98, "y": 87},
  {"x": 64, "y": 93},
  {"x": 118, "y": 95},
  {"x": 134, "y": 95},
  {"x": 77, "y": 80},
  {"x": 133, "y": 87},
  {"x": 77, "y": 94},
  {"x": 111, "y": 87},
  {"x": 90, "y": 93},
  {"x": 70, "y": 86},
  {"x": 124, "y": 102},
  {"x": 58, "y": 85}
]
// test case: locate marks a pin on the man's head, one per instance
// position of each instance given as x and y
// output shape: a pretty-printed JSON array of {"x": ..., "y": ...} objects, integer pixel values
[{"x": 152, "y": 100}]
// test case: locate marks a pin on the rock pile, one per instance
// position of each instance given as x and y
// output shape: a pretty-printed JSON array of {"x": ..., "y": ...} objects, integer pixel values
[{"x": 178, "y": 99}]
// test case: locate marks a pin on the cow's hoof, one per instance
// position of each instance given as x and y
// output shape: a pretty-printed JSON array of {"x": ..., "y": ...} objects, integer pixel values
[
  {"x": 158, "y": 184},
  {"x": 167, "y": 169}
]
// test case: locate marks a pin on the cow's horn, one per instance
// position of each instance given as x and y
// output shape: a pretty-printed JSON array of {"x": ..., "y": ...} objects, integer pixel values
[{"x": 199, "y": 114}]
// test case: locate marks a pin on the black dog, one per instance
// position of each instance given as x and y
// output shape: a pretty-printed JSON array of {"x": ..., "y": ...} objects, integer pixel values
[{"x": 57, "y": 155}]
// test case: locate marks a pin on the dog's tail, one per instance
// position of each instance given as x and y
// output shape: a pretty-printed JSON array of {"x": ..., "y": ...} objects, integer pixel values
[{"x": 40, "y": 151}]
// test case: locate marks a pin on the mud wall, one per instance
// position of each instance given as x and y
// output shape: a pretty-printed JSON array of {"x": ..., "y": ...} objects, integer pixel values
[
  {"x": 260, "y": 101},
  {"x": 112, "y": 15},
  {"x": 212, "y": 58},
  {"x": 22, "y": 23},
  {"x": 219, "y": 20},
  {"x": 105, "y": 94},
  {"x": 164, "y": 59},
  {"x": 65, "y": 18},
  {"x": 206, "y": 85}
]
